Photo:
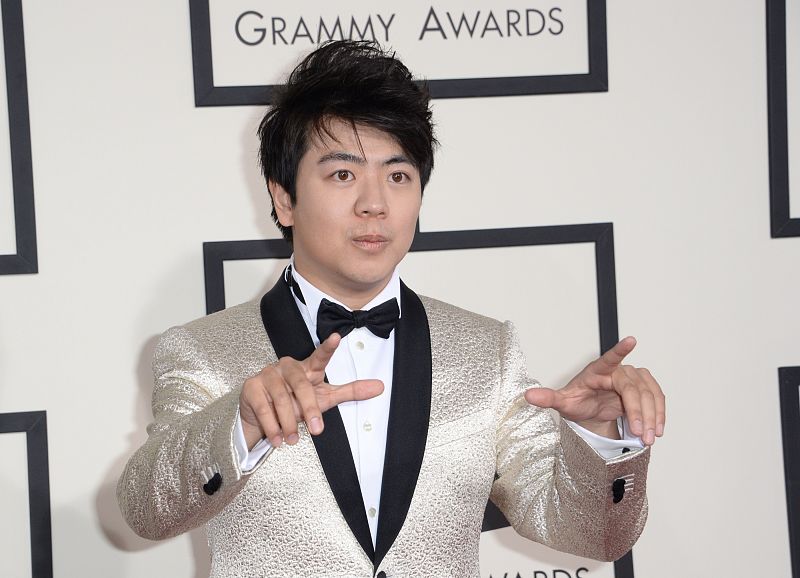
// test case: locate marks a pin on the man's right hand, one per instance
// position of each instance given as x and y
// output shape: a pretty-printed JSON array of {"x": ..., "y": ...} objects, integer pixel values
[{"x": 289, "y": 391}]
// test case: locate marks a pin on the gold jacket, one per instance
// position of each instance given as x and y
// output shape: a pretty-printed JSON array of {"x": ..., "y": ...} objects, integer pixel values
[{"x": 460, "y": 433}]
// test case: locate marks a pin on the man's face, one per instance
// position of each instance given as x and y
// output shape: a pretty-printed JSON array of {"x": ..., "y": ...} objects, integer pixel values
[{"x": 355, "y": 213}]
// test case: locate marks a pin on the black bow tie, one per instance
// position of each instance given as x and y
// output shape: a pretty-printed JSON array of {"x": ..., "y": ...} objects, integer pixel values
[{"x": 333, "y": 318}]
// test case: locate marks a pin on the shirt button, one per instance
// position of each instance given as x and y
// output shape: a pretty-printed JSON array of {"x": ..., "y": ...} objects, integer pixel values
[
  {"x": 360, "y": 345},
  {"x": 367, "y": 426},
  {"x": 372, "y": 512}
]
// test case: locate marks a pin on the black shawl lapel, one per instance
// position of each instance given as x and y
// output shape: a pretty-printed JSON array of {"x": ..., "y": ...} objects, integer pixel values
[
  {"x": 408, "y": 419},
  {"x": 289, "y": 336}
]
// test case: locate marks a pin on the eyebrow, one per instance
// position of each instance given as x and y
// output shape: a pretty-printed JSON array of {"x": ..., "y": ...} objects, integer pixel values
[
  {"x": 359, "y": 160},
  {"x": 398, "y": 159},
  {"x": 342, "y": 156}
]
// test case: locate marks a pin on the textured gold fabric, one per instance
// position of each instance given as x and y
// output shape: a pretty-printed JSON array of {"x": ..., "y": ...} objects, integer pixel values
[{"x": 282, "y": 519}]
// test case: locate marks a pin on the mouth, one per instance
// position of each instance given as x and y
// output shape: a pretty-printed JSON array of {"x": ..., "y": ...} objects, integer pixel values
[{"x": 370, "y": 242}]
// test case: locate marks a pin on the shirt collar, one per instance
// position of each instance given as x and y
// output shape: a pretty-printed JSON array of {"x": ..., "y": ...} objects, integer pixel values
[{"x": 313, "y": 296}]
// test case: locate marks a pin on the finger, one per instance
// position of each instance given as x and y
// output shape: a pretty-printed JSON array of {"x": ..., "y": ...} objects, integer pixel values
[
  {"x": 631, "y": 401},
  {"x": 660, "y": 400},
  {"x": 354, "y": 391},
  {"x": 283, "y": 404},
  {"x": 305, "y": 397},
  {"x": 647, "y": 403},
  {"x": 611, "y": 359},
  {"x": 318, "y": 360},
  {"x": 269, "y": 423},
  {"x": 254, "y": 396},
  {"x": 544, "y": 397}
]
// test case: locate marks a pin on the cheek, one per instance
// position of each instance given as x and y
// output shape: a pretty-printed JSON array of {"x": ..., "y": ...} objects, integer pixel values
[
  {"x": 407, "y": 224},
  {"x": 316, "y": 216},
  {"x": 409, "y": 211}
]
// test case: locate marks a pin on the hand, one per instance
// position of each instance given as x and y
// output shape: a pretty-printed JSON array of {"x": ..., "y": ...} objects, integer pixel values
[
  {"x": 603, "y": 391},
  {"x": 289, "y": 391}
]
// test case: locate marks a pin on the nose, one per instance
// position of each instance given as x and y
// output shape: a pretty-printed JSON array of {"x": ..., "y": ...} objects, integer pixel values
[{"x": 371, "y": 201}]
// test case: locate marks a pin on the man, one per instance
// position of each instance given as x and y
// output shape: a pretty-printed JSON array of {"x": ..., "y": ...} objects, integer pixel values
[{"x": 343, "y": 425}]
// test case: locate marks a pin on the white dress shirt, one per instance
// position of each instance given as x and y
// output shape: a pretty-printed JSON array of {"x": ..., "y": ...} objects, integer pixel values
[{"x": 362, "y": 355}]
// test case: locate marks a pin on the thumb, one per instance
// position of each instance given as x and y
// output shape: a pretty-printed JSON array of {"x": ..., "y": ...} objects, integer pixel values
[
  {"x": 543, "y": 397},
  {"x": 354, "y": 391}
]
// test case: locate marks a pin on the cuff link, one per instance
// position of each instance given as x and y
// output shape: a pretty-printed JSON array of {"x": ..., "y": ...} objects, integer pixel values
[
  {"x": 619, "y": 486},
  {"x": 213, "y": 480}
]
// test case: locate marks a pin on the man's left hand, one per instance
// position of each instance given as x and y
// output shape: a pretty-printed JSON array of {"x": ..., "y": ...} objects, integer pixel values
[{"x": 605, "y": 390}]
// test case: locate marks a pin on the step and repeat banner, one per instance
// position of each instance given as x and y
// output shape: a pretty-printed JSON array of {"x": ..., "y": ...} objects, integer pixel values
[
  {"x": 461, "y": 48},
  {"x": 605, "y": 169},
  {"x": 18, "y": 225}
]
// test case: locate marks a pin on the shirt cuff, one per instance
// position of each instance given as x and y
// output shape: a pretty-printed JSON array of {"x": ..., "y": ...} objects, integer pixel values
[
  {"x": 606, "y": 447},
  {"x": 248, "y": 459}
]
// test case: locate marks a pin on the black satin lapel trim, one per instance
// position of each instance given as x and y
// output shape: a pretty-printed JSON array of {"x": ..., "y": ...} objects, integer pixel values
[
  {"x": 285, "y": 326},
  {"x": 289, "y": 336},
  {"x": 408, "y": 419}
]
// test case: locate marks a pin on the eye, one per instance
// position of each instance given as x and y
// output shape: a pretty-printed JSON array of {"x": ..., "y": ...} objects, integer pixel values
[
  {"x": 343, "y": 176},
  {"x": 399, "y": 177}
]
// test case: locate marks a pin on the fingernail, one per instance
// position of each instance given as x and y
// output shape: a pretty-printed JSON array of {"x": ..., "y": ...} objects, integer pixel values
[
  {"x": 649, "y": 437},
  {"x": 315, "y": 425},
  {"x": 637, "y": 426},
  {"x": 660, "y": 430},
  {"x": 292, "y": 439},
  {"x": 276, "y": 441}
]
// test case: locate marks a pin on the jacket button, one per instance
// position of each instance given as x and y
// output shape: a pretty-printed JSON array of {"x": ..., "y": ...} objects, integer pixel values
[{"x": 381, "y": 574}]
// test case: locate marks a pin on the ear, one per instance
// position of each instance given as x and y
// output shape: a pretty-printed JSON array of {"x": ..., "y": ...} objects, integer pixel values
[{"x": 282, "y": 203}]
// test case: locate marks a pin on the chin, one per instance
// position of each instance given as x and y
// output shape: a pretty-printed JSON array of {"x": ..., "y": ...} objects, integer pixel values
[
  {"x": 368, "y": 281},
  {"x": 368, "y": 277}
]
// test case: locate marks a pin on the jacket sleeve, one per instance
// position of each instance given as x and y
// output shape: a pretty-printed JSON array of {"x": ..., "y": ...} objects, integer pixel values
[
  {"x": 551, "y": 485},
  {"x": 161, "y": 491}
]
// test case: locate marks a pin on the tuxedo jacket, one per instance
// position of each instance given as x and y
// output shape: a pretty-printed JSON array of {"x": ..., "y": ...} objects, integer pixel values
[{"x": 459, "y": 433}]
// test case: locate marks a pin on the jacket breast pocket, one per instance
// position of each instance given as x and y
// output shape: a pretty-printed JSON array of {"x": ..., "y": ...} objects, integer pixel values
[{"x": 470, "y": 425}]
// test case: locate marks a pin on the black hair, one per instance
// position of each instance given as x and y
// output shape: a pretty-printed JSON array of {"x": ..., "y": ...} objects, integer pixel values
[{"x": 354, "y": 81}]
